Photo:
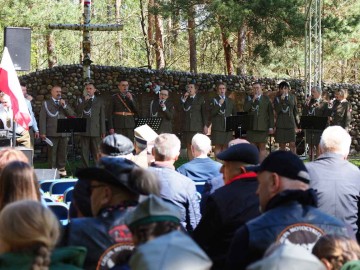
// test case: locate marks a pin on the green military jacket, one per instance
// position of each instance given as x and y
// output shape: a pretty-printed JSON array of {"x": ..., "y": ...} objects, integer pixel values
[
  {"x": 286, "y": 112},
  {"x": 262, "y": 111},
  {"x": 121, "y": 104},
  {"x": 94, "y": 113},
  {"x": 341, "y": 114},
  {"x": 194, "y": 113},
  {"x": 218, "y": 113}
]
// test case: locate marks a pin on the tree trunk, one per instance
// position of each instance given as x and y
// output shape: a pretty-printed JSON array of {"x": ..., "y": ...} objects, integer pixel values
[
  {"x": 50, "y": 46},
  {"x": 147, "y": 46},
  {"x": 227, "y": 51},
  {"x": 192, "y": 39},
  {"x": 241, "y": 46},
  {"x": 118, "y": 43},
  {"x": 159, "y": 44},
  {"x": 151, "y": 24}
]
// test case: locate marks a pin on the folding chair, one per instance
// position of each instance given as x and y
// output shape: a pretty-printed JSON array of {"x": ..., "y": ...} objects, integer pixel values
[
  {"x": 45, "y": 184},
  {"x": 59, "y": 187},
  {"x": 68, "y": 194},
  {"x": 61, "y": 211}
]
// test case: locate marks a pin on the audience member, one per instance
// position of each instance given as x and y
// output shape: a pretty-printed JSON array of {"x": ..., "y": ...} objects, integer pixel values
[
  {"x": 175, "y": 187},
  {"x": 119, "y": 146},
  {"x": 285, "y": 257},
  {"x": 213, "y": 184},
  {"x": 51, "y": 110},
  {"x": 80, "y": 204},
  {"x": 221, "y": 107},
  {"x": 201, "y": 168},
  {"x": 10, "y": 154},
  {"x": 7, "y": 117},
  {"x": 195, "y": 117},
  {"x": 289, "y": 212},
  {"x": 335, "y": 250},
  {"x": 230, "y": 206},
  {"x": 18, "y": 182},
  {"x": 92, "y": 108},
  {"x": 155, "y": 226},
  {"x": 260, "y": 107},
  {"x": 336, "y": 180},
  {"x": 33, "y": 126},
  {"x": 28, "y": 234},
  {"x": 123, "y": 109},
  {"x": 114, "y": 188}
]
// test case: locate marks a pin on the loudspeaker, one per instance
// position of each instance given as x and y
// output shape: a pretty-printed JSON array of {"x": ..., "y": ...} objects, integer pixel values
[
  {"x": 18, "y": 42},
  {"x": 47, "y": 174}
]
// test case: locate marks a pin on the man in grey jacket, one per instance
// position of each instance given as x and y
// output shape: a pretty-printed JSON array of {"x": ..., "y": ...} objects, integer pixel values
[{"x": 336, "y": 180}]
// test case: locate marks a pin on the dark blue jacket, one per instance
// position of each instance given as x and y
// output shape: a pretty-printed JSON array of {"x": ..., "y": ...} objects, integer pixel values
[
  {"x": 290, "y": 216},
  {"x": 227, "y": 209},
  {"x": 100, "y": 233}
]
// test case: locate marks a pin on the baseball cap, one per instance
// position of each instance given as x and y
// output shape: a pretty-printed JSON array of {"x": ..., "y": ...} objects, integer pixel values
[
  {"x": 116, "y": 145},
  {"x": 153, "y": 209},
  {"x": 243, "y": 152},
  {"x": 286, "y": 164},
  {"x": 113, "y": 171}
]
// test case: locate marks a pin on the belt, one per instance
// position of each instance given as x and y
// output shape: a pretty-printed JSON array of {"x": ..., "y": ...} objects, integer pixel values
[{"x": 124, "y": 113}]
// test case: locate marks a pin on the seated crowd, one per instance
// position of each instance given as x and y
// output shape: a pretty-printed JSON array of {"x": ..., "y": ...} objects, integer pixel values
[{"x": 131, "y": 212}]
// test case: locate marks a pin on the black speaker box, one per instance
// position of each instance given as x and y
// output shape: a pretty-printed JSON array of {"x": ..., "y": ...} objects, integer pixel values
[{"x": 18, "y": 42}]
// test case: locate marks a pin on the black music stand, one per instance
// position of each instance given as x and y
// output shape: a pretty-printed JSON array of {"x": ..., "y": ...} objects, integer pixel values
[
  {"x": 71, "y": 125},
  {"x": 238, "y": 122},
  {"x": 312, "y": 123},
  {"x": 153, "y": 122}
]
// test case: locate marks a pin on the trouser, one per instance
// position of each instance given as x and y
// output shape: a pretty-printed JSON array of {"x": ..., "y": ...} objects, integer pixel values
[
  {"x": 24, "y": 139},
  {"x": 89, "y": 145},
  {"x": 127, "y": 132},
  {"x": 57, "y": 154}
]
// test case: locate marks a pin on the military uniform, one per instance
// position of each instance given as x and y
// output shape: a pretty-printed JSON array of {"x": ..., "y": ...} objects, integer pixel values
[
  {"x": 341, "y": 114},
  {"x": 195, "y": 116},
  {"x": 316, "y": 107},
  {"x": 93, "y": 110},
  {"x": 49, "y": 114},
  {"x": 287, "y": 118},
  {"x": 262, "y": 112},
  {"x": 166, "y": 115},
  {"x": 122, "y": 115},
  {"x": 218, "y": 116}
]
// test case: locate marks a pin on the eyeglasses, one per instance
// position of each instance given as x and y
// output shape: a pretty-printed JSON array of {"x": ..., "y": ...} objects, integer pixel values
[{"x": 165, "y": 95}]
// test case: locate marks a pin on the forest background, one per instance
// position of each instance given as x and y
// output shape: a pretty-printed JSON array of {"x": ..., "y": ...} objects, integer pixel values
[{"x": 262, "y": 38}]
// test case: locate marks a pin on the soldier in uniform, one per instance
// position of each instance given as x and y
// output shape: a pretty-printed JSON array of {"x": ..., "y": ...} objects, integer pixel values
[
  {"x": 287, "y": 119},
  {"x": 195, "y": 117},
  {"x": 261, "y": 109},
  {"x": 315, "y": 105},
  {"x": 51, "y": 110},
  {"x": 123, "y": 109},
  {"x": 341, "y": 110},
  {"x": 220, "y": 108},
  {"x": 162, "y": 107},
  {"x": 91, "y": 108}
]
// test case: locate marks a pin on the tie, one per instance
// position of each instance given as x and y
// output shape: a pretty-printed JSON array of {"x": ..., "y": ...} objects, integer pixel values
[
  {"x": 57, "y": 102},
  {"x": 88, "y": 104}
]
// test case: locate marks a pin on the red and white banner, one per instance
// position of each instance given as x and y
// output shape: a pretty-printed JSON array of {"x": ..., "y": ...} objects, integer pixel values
[{"x": 10, "y": 85}]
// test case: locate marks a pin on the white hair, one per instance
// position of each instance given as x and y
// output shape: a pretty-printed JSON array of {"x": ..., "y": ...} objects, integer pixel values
[
  {"x": 335, "y": 139},
  {"x": 201, "y": 143},
  {"x": 167, "y": 146}
]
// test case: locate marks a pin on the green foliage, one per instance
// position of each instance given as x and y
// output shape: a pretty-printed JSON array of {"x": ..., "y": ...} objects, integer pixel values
[{"x": 274, "y": 34}]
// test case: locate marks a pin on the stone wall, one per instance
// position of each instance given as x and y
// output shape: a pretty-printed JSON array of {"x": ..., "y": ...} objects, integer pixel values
[{"x": 106, "y": 79}]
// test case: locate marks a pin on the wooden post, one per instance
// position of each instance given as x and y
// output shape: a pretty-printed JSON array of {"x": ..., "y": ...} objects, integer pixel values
[{"x": 86, "y": 28}]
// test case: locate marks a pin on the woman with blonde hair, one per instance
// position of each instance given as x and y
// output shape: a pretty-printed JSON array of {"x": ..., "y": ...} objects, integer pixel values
[
  {"x": 18, "y": 182},
  {"x": 28, "y": 234}
]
